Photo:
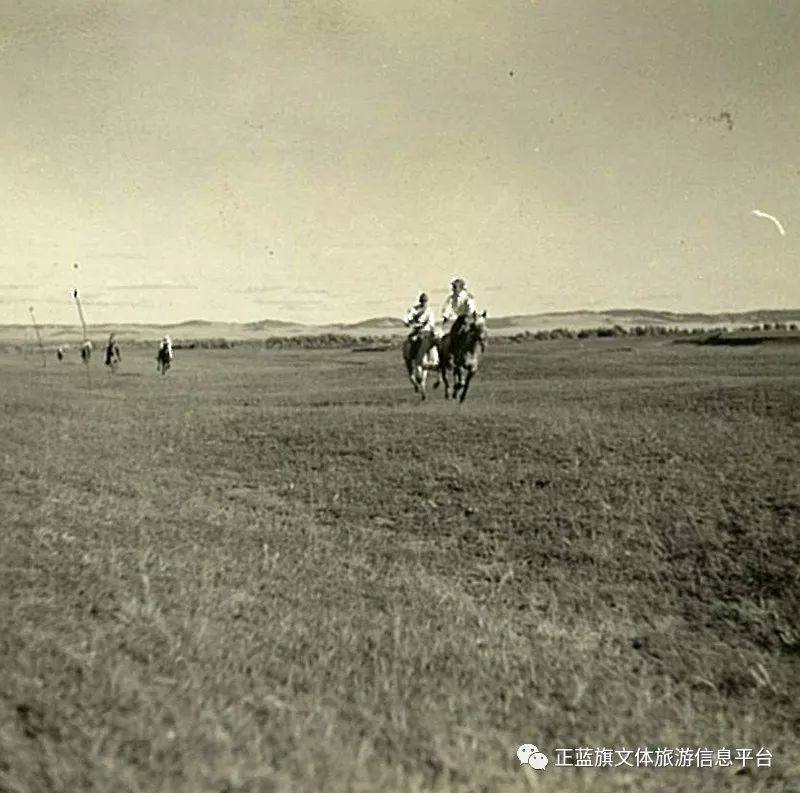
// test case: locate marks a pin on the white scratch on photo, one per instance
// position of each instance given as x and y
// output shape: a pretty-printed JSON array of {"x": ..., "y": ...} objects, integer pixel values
[{"x": 775, "y": 220}]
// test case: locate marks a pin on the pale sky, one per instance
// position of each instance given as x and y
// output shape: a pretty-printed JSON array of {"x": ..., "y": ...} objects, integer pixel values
[{"x": 326, "y": 160}]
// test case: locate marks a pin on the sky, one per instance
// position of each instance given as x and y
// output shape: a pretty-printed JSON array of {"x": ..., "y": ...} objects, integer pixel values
[{"x": 326, "y": 160}]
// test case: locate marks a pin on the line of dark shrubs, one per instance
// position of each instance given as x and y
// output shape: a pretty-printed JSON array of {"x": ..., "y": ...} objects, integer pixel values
[
  {"x": 344, "y": 341},
  {"x": 318, "y": 342},
  {"x": 375, "y": 343},
  {"x": 644, "y": 330}
]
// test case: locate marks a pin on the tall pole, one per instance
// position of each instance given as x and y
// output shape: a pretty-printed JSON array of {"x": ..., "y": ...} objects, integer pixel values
[
  {"x": 80, "y": 312},
  {"x": 38, "y": 337},
  {"x": 84, "y": 354}
]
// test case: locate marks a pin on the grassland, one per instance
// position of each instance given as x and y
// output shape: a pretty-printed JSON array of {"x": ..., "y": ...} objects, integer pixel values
[{"x": 278, "y": 571}]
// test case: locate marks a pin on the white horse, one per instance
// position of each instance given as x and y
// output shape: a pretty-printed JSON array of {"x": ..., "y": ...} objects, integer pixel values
[{"x": 421, "y": 356}]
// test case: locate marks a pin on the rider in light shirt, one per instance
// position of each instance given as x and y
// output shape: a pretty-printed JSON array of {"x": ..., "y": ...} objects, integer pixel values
[
  {"x": 461, "y": 305},
  {"x": 166, "y": 344},
  {"x": 420, "y": 317},
  {"x": 423, "y": 328}
]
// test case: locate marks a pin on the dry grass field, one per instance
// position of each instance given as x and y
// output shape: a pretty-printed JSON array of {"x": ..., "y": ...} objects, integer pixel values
[{"x": 279, "y": 571}]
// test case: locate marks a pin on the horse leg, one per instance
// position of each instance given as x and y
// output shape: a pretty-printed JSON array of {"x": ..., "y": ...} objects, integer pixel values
[
  {"x": 458, "y": 381},
  {"x": 470, "y": 373},
  {"x": 410, "y": 369},
  {"x": 437, "y": 367},
  {"x": 446, "y": 382},
  {"x": 414, "y": 375},
  {"x": 423, "y": 376},
  {"x": 421, "y": 363}
]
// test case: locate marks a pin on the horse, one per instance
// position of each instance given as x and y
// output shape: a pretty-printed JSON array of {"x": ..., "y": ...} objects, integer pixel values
[
  {"x": 465, "y": 359},
  {"x": 419, "y": 363},
  {"x": 113, "y": 355},
  {"x": 164, "y": 359}
]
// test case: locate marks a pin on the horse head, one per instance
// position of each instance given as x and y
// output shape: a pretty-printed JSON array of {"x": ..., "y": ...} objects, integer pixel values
[{"x": 478, "y": 334}]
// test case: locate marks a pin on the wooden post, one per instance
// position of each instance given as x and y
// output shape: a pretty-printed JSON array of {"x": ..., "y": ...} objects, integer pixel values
[{"x": 38, "y": 337}]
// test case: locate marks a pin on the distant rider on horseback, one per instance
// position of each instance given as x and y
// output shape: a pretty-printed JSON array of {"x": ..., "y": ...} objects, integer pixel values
[
  {"x": 423, "y": 329},
  {"x": 113, "y": 356},
  {"x": 460, "y": 305},
  {"x": 86, "y": 351},
  {"x": 164, "y": 356}
]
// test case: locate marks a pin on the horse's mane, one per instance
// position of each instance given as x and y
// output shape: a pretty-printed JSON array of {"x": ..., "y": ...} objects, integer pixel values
[
  {"x": 476, "y": 334},
  {"x": 477, "y": 326}
]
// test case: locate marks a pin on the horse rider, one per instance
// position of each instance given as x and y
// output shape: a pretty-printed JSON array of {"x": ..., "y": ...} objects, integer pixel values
[
  {"x": 423, "y": 328},
  {"x": 164, "y": 351},
  {"x": 459, "y": 305},
  {"x": 86, "y": 350},
  {"x": 112, "y": 351},
  {"x": 165, "y": 348}
]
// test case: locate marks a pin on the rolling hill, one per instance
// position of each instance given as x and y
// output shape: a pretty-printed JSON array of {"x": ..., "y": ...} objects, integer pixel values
[{"x": 53, "y": 335}]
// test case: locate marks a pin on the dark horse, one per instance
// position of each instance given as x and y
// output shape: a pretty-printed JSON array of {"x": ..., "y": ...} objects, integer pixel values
[
  {"x": 113, "y": 355},
  {"x": 460, "y": 352},
  {"x": 164, "y": 359}
]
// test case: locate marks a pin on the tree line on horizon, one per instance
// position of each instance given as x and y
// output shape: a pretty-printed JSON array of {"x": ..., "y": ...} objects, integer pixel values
[{"x": 378, "y": 342}]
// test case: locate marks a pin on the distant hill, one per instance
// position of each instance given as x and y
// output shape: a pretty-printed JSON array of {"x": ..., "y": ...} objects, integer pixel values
[
  {"x": 54, "y": 335},
  {"x": 271, "y": 324},
  {"x": 667, "y": 317},
  {"x": 632, "y": 317},
  {"x": 389, "y": 323}
]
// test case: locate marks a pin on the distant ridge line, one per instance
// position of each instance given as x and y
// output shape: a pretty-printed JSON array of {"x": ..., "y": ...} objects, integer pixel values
[{"x": 575, "y": 320}]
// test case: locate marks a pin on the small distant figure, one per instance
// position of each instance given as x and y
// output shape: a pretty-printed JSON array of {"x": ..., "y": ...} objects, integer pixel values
[
  {"x": 86, "y": 351},
  {"x": 60, "y": 353},
  {"x": 725, "y": 118},
  {"x": 164, "y": 357},
  {"x": 113, "y": 355}
]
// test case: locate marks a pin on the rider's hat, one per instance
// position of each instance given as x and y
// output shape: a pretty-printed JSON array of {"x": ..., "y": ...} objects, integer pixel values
[
  {"x": 458, "y": 282},
  {"x": 423, "y": 297}
]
